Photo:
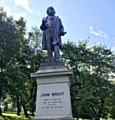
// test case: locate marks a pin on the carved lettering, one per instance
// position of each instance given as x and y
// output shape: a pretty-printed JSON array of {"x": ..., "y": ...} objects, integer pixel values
[
  {"x": 45, "y": 94},
  {"x": 57, "y": 93}
]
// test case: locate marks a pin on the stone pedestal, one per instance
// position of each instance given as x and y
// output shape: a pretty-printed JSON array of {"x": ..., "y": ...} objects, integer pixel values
[{"x": 53, "y": 94}]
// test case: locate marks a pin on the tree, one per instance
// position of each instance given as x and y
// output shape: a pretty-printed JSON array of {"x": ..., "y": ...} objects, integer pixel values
[
  {"x": 9, "y": 46},
  {"x": 111, "y": 100},
  {"x": 91, "y": 67}
]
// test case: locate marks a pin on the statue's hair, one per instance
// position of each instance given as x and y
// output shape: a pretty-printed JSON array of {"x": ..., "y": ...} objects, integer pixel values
[{"x": 50, "y": 8}]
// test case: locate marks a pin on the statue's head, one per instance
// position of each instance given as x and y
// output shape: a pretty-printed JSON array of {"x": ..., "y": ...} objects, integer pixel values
[{"x": 50, "y": 11}]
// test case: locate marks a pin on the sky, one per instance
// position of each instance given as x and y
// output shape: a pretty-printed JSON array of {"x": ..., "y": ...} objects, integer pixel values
[{"x": 82, "y": 19}]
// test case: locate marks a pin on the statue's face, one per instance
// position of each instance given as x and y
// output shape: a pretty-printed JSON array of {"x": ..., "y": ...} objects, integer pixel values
[{"x": 50, "y": 11}]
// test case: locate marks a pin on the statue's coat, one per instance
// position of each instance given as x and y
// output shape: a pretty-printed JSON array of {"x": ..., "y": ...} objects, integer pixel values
[{"x": 58, "y": 27}]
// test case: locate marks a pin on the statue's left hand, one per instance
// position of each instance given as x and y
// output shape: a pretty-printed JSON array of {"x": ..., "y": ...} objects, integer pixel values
[{"x": 62, "y": 34}]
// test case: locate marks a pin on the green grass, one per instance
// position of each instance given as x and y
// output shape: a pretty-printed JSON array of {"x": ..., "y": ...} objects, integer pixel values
[
  {"x": 13, "y": 116},
  {"x": 100, "y": 119}
]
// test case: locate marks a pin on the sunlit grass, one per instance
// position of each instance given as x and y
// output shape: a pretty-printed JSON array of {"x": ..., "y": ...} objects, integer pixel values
[
  {"x": 13, "y": 116},
  {"x": 10, "y": 114}
]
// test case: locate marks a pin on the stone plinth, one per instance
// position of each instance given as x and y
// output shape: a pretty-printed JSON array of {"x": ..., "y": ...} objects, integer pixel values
[{"x": 53, "y": 94}]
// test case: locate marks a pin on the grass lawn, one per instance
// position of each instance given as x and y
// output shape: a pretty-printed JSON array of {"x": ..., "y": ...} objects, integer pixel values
[{"x": 13, "y": 116}]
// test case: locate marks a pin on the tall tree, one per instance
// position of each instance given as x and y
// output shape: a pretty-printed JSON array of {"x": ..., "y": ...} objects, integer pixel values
[{"x": 9, "y": 45}]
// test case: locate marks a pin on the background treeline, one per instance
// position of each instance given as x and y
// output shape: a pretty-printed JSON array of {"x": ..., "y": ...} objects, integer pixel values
[{"x": 93, "y": 93}]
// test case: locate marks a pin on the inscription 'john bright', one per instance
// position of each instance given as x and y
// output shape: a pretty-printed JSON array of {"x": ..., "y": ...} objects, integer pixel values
[
  {"x": 52, "y": 94},
  {"x": 57, "y": 94}
]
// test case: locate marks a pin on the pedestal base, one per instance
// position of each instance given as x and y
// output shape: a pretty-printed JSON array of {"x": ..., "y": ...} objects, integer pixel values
[{"x": 53, "y": 94}]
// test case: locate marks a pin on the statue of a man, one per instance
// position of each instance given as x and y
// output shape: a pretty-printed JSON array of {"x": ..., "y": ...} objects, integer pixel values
[{"x": 52, "y": 31}]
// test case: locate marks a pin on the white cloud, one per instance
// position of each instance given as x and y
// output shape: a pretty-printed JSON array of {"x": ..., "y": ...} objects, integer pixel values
[
  {"x": 7, "y": 9},
  {"x": 98, "y": 33},
  {"x": 18, "y": 15},
  {"x": 24, "y": 4},
  {"x": 98, "y": 44}
]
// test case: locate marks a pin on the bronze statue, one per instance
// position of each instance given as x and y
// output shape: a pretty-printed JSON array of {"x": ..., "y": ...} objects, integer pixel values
[{"x": 52, "y": 31}]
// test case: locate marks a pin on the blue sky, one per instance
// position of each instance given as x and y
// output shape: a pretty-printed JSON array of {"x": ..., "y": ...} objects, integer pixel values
[{"x": 81, "y": 18}]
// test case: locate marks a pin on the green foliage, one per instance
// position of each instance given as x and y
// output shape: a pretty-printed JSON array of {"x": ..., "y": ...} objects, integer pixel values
[
  {"x": 9, "y": 46},
  {"x": 92, "y": 66}
]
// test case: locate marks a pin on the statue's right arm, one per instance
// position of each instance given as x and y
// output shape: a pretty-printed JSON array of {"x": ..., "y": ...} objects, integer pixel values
[{"x": 43, "y": 25}]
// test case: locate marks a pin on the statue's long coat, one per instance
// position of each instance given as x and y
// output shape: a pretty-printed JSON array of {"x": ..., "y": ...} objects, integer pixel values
[{"x": 58, "y": 26}]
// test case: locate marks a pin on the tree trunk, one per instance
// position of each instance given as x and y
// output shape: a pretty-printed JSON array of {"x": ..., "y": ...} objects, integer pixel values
[
  {"x": 5, "y": 108},
  {"x": 100, "y": 111},
  {"x": 0, "y": 98},
  {"x": 0, "y": 110},
  {"x": 32, "y": 113},
  {"x": 25, "y": 111},
  {"x": 18, "y": 107}
]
